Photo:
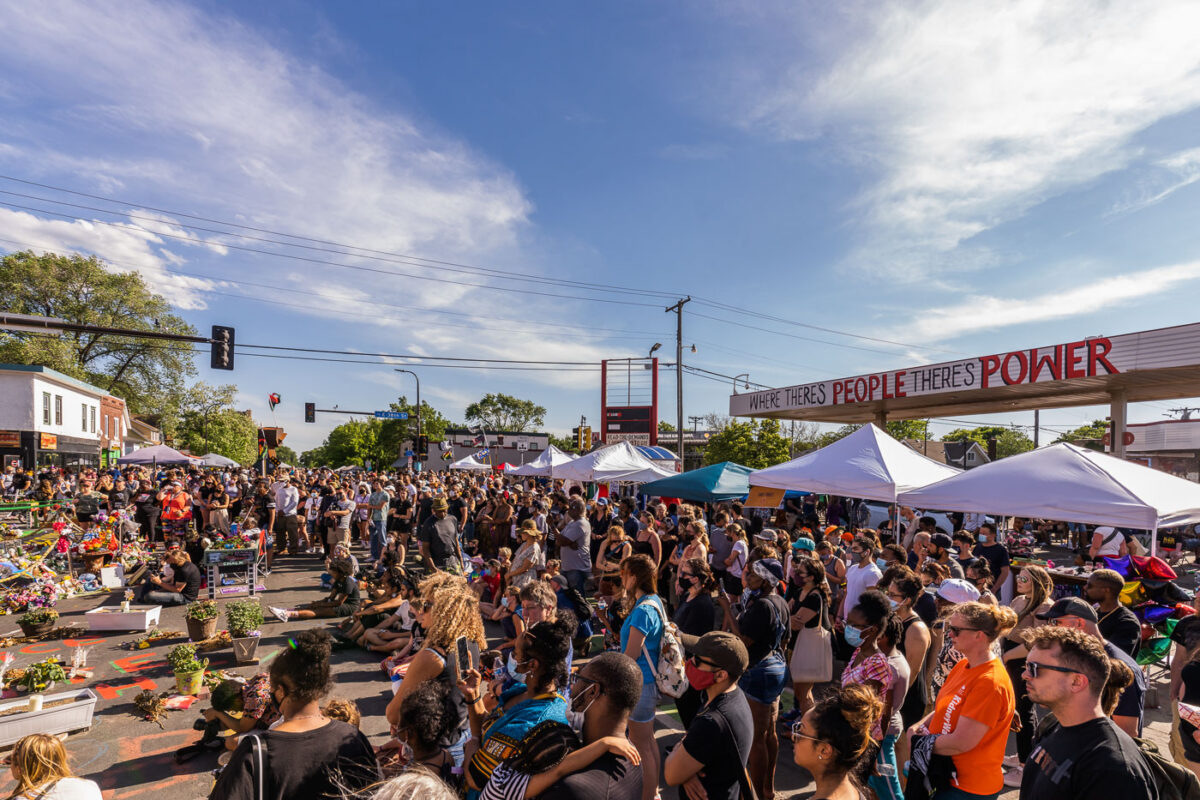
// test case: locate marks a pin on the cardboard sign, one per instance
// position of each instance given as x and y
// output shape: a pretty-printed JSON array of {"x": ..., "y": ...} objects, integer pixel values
[{"x": 764, "y": 497}]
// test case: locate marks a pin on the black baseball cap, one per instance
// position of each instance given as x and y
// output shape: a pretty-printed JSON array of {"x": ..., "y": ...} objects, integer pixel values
[
  {"x": 1070, "y": 607},
  {"x": 941, "y": 541}
]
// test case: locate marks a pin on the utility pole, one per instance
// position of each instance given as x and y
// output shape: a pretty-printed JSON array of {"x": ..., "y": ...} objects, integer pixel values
[
  {"x": 678, "y": 309},
  {"x": 417, "y": 443},
  {"x": 1037, "y": 428}
]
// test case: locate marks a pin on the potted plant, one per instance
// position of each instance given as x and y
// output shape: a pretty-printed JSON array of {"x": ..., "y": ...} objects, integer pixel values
[
  {"x": 189, "y": 670},
  {"x": 245, "y": 617},
  {"x": 201, "y": 618},
  {"x": 42, "y": 675},
  {"x": 37, "y": 621}
]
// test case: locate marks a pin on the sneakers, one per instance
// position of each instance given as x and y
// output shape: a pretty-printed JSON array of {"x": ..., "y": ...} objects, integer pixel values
[
  {"x": 790, "y": 717},
  {"x": 1012, "y": 778},
  {"x": 279, "y": 613},
  {"x": 1010, "y": 762}
]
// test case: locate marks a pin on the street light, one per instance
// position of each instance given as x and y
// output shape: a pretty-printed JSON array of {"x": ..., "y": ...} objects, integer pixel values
[
  {"x": 653, "y": 349},
  {"x": 417, "y": 447},
  {"x": 745, "y": 375}
]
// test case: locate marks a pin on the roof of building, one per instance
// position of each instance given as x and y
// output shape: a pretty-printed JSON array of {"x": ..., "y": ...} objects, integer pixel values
[
  {"x": 952, "y": 453},
  {"x": 54, "y": 375}
]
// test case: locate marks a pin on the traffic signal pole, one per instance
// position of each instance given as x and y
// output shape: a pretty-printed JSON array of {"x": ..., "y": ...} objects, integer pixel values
[{"x": 416, "y": 449}]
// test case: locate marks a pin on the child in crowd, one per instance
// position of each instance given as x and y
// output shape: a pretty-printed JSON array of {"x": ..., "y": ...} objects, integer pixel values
[
  {"x": 397, "y": 630},
  {"x": 345, "y": 710}
]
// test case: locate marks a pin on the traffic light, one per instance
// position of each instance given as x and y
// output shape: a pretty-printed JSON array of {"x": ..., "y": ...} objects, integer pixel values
[
  {"x": 587, "y": 438},
  {"x": 423, "y": 446},
  {"x": 310, "y": 412},
  {"x": 577, "y": 433},
  {"x": 222, "y": 347}
]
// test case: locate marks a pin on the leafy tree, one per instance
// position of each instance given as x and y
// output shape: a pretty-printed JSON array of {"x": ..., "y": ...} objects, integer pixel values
[
  {"x": 564, "y": 443},
  {"x": 665, "y": 427},
  {"x": 909, "y": 429},
  {"x": 393, "y": 433},
  {"x": 287, "y": 455},
  {"x": 753, "y": 443},
  {"x": 148, "y": 374},
  {"x": 208, "y": 423},
  {"x": 829, "y": 437},
  {"x": 1085, "y": 433},
  {"x": 502, "y": 412},
  {"x": 1009, "y": 440}
]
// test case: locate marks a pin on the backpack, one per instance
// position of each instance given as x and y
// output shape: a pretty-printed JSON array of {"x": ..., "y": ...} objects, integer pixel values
[
  {"x": 669, "y": 674},
  {"x": 1174, "y": 782}
]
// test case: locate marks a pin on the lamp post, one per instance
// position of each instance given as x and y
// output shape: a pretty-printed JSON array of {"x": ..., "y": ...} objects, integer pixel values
[{"x": 417, "y": 449}]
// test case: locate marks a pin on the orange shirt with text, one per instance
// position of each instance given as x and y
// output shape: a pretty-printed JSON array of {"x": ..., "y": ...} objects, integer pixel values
[{"x": 983, "y": 693}]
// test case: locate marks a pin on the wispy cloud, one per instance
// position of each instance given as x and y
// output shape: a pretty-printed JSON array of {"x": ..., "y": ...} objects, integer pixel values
[
  {"x": 693, "y": 152},
  {"x": 975, "y": 313},
  {"x": 162, "y": 98},
  {"x": 963, "y": 116},
  {"x": 1165, "y": 177}
]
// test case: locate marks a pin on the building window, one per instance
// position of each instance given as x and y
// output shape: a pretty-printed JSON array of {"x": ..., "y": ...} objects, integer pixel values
[
  {"x": 970, "y": 457},
  {"x": 58, "y": 409},
  {"x": 83, "y": 424},
  {"x": 45, "y": 408},
  {"x": 93, "y": 428}
]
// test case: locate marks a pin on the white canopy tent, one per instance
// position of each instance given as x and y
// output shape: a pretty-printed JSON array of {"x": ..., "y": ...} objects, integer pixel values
[
  {"x": 1070, "y": 483},
  {"x": 544, "y": 465},
  {"x": 616, "y": 463},
  {"x": 469, "y": 463},
  {"x": 217, "y": 460},
  {"x": 868, "y": 463}
]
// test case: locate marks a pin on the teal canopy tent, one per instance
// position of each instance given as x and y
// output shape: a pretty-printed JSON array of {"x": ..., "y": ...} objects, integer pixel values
[{"x": 724, "y": 481}]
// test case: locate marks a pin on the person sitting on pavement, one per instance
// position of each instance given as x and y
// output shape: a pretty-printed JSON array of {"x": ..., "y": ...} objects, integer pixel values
[
  {"x": 343, "y": 600},
  {"x": 181, "y": 588},
  {"x": 251, "y": 699}
]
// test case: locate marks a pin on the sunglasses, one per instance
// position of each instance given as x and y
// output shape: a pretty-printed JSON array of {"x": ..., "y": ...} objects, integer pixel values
[
  {"x": 799, "y": 734},
  {"x": 1033, "y": 667},
  {"x": 697, "y": 661},
  {"x": 955, "y": 630}
]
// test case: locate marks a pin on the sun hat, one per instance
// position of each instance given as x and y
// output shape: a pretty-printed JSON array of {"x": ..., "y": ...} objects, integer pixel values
[{"x": 957, "y": 590}]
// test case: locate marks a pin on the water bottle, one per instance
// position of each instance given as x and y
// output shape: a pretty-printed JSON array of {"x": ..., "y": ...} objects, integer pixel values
[{"x": 233, "y": 529}]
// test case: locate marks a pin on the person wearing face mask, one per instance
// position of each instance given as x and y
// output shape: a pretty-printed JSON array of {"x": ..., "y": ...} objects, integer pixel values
[
  {"x": 812, "y": 652},
  {"x": 710, "y": 760},
  {"x": 306, "y": 754},
  {"x": 872, "y": 629},
  {"x": 541, "y": 659},
  {"x": 862, "y": 574},
  {"x": 998, "y": 558},
  {"x": 695, "y": 615}
]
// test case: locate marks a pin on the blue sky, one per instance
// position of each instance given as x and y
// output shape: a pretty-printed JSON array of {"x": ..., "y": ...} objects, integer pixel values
[{"x": 956, "y": 179}]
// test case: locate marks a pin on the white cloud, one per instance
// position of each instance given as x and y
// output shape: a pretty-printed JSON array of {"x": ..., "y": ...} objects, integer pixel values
[
  {"x": 162, "y": 99},
  {"x": 967, "y": 115},
  {"x": 1168, "y": 176},
  {"x": 975, "y": 313}
]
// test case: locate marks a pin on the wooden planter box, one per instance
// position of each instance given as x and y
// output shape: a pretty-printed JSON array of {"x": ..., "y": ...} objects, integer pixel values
[
  {"x": 112, "y": 618},
  {"x": 59, "y": 719}
]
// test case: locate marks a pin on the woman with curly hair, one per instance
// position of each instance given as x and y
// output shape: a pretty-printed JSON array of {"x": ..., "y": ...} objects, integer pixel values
[
  {"x": 455, "y": 613},
  {"x": 306, "y": 754}
]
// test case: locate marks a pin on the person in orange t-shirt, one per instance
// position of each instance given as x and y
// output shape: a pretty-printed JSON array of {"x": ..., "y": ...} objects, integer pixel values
[{"x": 975, "y": 706}]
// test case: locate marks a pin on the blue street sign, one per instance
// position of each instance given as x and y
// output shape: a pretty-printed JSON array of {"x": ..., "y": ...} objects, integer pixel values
[
  {"x": 391, "y": 415},
  {"x": 409, "y": 454}
]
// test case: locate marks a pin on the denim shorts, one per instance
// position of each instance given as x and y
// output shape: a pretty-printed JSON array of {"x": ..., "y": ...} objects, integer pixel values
[
  {"x": 765, "y": 681},
  {"x": 647, "y": 706}
]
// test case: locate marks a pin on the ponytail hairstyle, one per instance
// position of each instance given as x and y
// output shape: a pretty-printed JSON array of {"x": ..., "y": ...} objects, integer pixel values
[
  {"x": 992, "y": 621},
  {"x": 983, "y": 573},
  {"x": 302, "y": 669},
  {"x": 843, "y": 719},
  {"x": 704, "y": 574}
]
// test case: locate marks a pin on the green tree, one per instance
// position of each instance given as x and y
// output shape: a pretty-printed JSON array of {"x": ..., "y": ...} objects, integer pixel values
[
  {"x": 902, "y": 429},
  {"x": 287, "y": 455},
  {"x": 502, "y": 412},
  {"x": 829, "y": 437},
  {"x": 564, "y": 443},
  {"x": 206, "y": 422},
  {"x": 393, "y": 433},
  {"x": 753, "y": 443},
  {"x": 1009, "y": 440},
  {"x": 665, "y": 427},
  {"x": 1091, "y": 433},
  {"x": 148, "y": 374}
]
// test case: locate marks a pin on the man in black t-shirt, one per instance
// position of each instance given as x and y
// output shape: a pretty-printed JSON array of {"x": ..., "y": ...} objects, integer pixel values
[
  {"x": 439, "y": 539},
  {"x": 1087, "y": 755},
  {"x": 722, "y": 728},
  {"x": 605, "y": 691},
  {"x": 182, "y": 588},
  {"x": 996, "y": 554},
  {"x": 1117, "y": 623}
]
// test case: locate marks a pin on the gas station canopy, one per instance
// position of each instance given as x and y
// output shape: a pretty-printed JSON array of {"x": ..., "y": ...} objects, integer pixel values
[{"x": 1161, "y": 364}]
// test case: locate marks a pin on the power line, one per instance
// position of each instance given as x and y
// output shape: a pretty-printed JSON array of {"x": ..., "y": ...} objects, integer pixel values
[
  {"x": 792, "y": 335},
  {"x": 405, "y": 355},
  {"x": 325, "y": 262},
  {"x": 429, "y": 261}
]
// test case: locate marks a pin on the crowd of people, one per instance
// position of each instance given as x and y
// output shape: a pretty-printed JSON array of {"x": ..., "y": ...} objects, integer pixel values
[{"x": 911, "y": 652}]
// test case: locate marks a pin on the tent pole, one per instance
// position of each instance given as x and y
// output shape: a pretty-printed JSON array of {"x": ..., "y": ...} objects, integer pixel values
[{"x": 1154, "y": 539}]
